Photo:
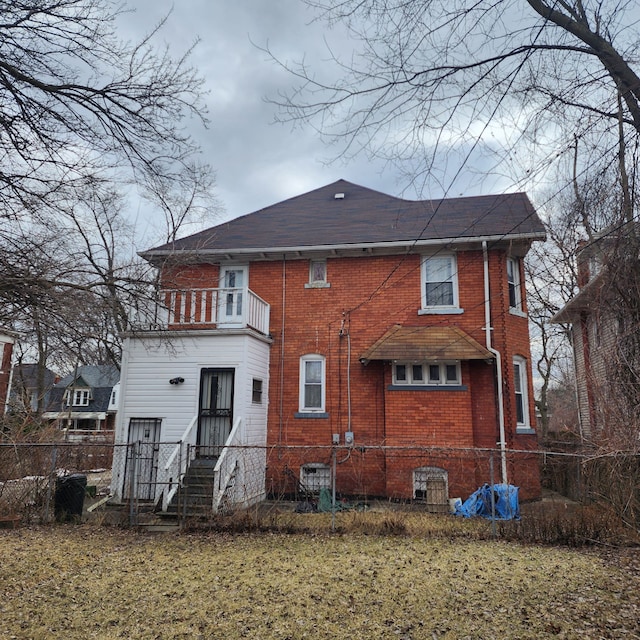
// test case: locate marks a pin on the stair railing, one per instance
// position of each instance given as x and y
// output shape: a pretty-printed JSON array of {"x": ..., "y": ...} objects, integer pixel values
[
  {"x": 227, "y": 463},
  {"x": 178, "y": 463}
]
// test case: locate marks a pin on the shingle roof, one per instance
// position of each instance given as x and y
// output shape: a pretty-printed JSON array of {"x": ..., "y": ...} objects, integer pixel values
[
  {"x": 363, "y": 216},
  {"x": 100, "y": 378},
  {"x": 100, "y": 375},
  {"x": 438, "y": 343}
]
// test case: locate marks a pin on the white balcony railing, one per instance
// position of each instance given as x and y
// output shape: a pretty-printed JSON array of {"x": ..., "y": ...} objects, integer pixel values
[{"x": 208, "y": 308}]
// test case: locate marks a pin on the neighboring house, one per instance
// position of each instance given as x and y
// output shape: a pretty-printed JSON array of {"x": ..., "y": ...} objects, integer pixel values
[
  {"x": 7, "y": 340},
  {"x": 603, "y": 319},
  {"x": 31, "y": 388},
  {"x": 84, "y": 403},
  {"x": 394, "y": 328}
]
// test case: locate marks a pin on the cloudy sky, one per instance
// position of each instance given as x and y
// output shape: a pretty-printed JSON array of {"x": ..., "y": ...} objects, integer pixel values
[{"x": 257, "y": 161}]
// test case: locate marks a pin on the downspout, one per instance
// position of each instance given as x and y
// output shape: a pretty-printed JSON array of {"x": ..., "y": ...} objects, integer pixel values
[{"x": 488, "y": 329}]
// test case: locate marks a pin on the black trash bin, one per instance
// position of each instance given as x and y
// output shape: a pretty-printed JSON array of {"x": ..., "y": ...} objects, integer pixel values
[{"x": 69, "y": 497}]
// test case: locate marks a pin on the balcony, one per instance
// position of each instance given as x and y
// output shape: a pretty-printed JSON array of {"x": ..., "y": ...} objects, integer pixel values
[{"x": 224, "y": 308}]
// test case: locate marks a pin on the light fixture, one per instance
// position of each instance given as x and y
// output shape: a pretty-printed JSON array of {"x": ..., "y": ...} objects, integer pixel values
[{"x": 176, "y": 381}]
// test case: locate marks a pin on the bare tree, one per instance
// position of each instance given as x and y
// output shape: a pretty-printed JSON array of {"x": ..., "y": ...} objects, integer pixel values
[
  {"x": 78, "y": 102},
  {"x": 519, "y": 79},
  {"x": 185, "y": 203}
]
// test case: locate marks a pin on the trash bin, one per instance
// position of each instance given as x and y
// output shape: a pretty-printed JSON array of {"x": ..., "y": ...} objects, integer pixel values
[{"x": 69, "y": 497}]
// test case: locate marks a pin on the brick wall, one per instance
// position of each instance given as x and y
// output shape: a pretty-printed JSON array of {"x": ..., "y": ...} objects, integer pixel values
[{"x": 365, "y": 298}]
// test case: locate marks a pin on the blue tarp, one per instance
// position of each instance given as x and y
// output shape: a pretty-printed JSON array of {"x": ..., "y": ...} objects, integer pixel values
[{"x": 478, "y": 503}]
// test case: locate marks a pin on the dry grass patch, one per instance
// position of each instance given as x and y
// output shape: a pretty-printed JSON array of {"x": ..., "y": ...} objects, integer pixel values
[{"x": 84, "y": 582}]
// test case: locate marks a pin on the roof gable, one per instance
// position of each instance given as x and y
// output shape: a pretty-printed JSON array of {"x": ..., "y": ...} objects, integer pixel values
[
  {"x": 92, "y": 376},
  {"x": 362, "y": 216}
]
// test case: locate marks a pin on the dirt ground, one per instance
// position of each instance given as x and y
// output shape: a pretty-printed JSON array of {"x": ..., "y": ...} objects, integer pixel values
[{"x": 80, "y": 582}]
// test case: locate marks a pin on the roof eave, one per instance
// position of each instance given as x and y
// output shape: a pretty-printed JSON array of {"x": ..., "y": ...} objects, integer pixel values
[{"x": 265, "y": 253}]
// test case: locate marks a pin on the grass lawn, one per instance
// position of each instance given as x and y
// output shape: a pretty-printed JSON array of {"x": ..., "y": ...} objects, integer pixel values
[{"x": 81, "y": 582}]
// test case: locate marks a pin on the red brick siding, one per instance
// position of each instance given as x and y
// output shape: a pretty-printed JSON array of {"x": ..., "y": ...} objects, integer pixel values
[{"x": 366, "y": 297}]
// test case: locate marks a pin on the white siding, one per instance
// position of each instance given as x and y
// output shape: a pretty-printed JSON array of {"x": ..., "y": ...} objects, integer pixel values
[{"x": 145, "y": 392}]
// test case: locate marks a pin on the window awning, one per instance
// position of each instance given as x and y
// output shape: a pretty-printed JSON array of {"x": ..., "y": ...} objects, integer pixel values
[{"x": 419, "y": 344}]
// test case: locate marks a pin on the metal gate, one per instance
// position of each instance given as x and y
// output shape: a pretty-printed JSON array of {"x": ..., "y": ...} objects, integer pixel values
[
  {"x": 142, "y": 458},
  {"x": 215, "y": 416}
]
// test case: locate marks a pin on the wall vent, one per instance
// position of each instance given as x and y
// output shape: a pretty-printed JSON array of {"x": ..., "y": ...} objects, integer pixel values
[{"x": 339, "y": 196}]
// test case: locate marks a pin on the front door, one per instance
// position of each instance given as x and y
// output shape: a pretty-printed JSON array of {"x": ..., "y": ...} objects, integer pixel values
[
  {"x": 216, "y": 411},
  {"x": 233, "y": 282}
]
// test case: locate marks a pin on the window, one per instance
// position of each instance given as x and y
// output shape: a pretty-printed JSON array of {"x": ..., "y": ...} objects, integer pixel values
[
  {"x": 439, "y": 283},
  {"x": 513, "y": 278},
  {"x": 520, "y": 387},
  {"x": 256, "y": 391},
  {"x": 318, "y": 271},
  {"x": 427, "y": 374},
  {"x": 317, "y": 274},
  {"x": 312, "y": 383},
  {"x": 315, "y": 476},
  {"x": 78, "y": 397}
]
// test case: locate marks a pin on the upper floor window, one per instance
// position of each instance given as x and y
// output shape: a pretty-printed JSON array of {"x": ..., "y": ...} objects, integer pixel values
[
  {"x": 515, "y": 289},
  {"x": 440, "y": 283},
  {"x": 317, "y": 274},
  {"x": 78, "y": 397},
  {"x": 521, "y": 394},
  {"x": 312, "y": 383},
  {"x": 427, "y": 374}
]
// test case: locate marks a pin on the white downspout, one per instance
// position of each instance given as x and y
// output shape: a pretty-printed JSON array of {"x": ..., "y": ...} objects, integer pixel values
[{"x": 488, "y": 328}]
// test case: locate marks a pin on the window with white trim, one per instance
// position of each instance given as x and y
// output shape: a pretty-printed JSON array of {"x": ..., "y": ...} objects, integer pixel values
[
  {"x": 315, "y": 476},
  {"x": 427, "y": 373},
  {"x": 312, "y": 383},
  {"x": 521, "y": 394},
  {"x": 515, "y": 288},
  {"x": 78, "y": 397},
  {"x": 439, "y": 282},
  {"x": 317, "y": 271}
]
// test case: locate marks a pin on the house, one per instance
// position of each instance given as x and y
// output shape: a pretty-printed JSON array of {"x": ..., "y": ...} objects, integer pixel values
[
  {"x": 84, "y": 403},
  {"x": 603, "y": 319},
  {"x": 341, "y": 327},
  {"x": 31, "y": 386},
  {"x": 7, "y": 340}
]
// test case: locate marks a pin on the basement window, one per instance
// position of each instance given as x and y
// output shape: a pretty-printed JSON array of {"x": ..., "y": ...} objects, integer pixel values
[{"x": 315, "y": 476}]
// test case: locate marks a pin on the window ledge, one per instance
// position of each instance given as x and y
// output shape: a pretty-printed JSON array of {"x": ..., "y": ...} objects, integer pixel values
[
  {"x": 431, "y": 311},
  {"x": 516, "y": 312},
  {"x": 525, "y": 431},
  {"x": 427, "y": 387},
  {"x": 317, "y": 285},
  {"x": 313, "y": 416}
]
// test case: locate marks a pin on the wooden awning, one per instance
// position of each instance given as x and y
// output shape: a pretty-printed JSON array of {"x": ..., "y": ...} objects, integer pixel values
[{"x": 420, "y": 344}]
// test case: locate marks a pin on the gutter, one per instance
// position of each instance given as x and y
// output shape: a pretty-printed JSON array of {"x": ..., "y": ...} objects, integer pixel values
[
  {"x": 275, "y": 252},
  {"x": 488, "y": 328}
]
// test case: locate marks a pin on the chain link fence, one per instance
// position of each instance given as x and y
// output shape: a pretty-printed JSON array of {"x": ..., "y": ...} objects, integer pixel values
[{"x": 142, "y": 481}]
